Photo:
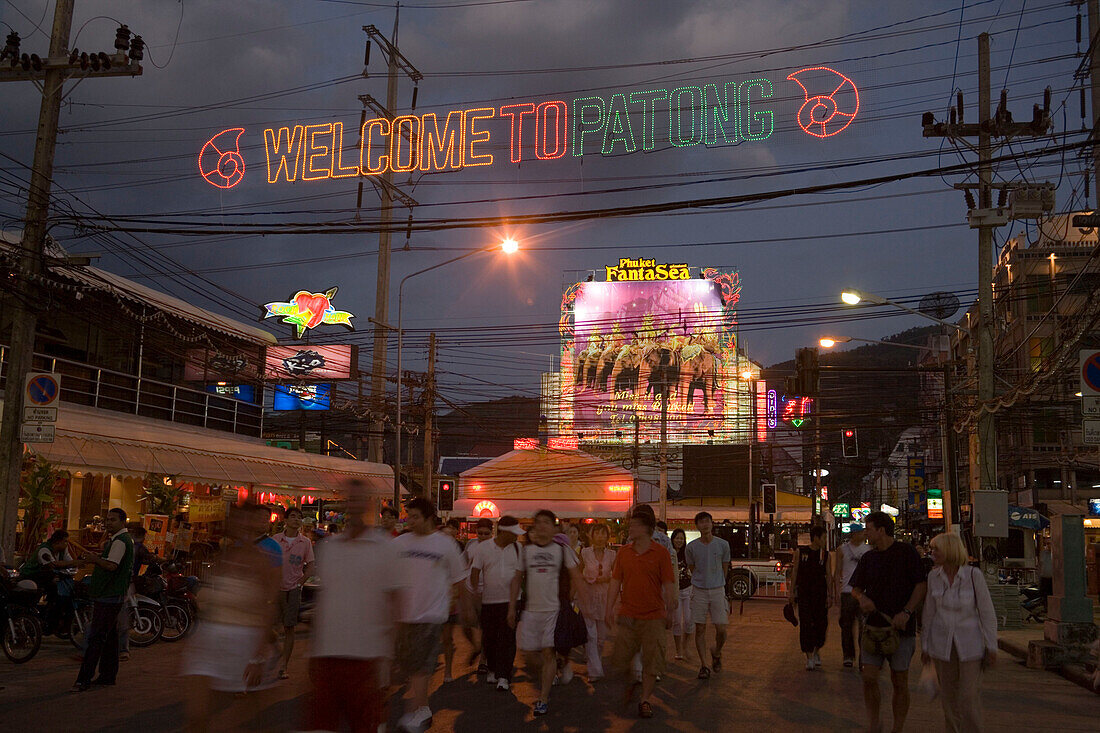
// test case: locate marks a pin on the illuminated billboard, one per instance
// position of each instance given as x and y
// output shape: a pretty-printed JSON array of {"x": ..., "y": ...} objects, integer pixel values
[
  {"x": 301, "y": 397},
  {"x": 311, "y": 362},
  {"x": 647, "y": 333}
]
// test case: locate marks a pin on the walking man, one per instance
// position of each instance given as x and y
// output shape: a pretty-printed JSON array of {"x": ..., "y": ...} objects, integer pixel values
[
  {"x": 847, "y": 558},
  {"x": 494, "y": 564},
  {"x": 811, "y": 583},
  {"x": 542, "y": 564},
  {"x": 432, "y": 564},
  {"x": 353, "y": 625},
  {"x": 889, "y": 585},
  {"x": 643, "y": 575},
  {"x": 297, "y": 566},
  {"x": 708, "y": 559},
  {"x": 110, "y": 581}
]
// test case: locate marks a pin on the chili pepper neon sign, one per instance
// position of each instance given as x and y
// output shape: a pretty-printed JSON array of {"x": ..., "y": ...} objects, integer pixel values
[
  {"x": 725, "y": 113},
  {"x": 308, "y": 310}
]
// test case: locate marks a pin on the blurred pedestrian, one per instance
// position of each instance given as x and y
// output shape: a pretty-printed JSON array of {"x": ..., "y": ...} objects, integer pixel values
[
  {"x": 681, "y": 620},
  {"x": 643, "y": 575},
  {"x": 889, "y": 585},
  {"x": 297, "y": 567},
  {"x": 597, "y": 562},
  {"x": 233, "y": 649},
  {"x": 353, "y": 624},
  {"x": 110, "y": 582},
  {"x": 959, "y": 632},
  {"x": 811, "y": 589},
  {"x": 708, "y": 559},
  {"x": 389, "y": 521},
  {"x": 452, "y": 528},
  {"x": 494, "y": 565},
  {"x": 544, "y": 561},
  {"x": 432, "y": 563},
  {"x": 846, "y": 559}
]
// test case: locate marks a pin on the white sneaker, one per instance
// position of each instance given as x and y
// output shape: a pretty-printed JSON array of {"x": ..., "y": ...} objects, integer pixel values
[
  {"x": 502, "y": 684},
  {"x": 809, "y": 663},
  {"x": 567, "y": 673},
  {"x": 417, "y": 721},
  {"x": 490, "y": 678},
  {"x": 817, "y": 660}
]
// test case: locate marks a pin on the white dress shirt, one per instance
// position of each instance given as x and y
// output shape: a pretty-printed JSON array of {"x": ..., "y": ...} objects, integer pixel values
[{"x": 958, "y": 615}]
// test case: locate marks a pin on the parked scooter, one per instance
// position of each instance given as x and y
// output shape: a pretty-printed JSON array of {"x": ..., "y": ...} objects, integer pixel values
[
  {"x": 20, "y": 630},
  {"x": 1033, "y": 603}
]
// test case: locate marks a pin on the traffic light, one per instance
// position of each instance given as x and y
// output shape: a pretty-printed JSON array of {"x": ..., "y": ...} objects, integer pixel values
[
  {"x": 849, "y": 442},
  {"x": 769, "y": 499},
  {"x": 446, "y": 495}
]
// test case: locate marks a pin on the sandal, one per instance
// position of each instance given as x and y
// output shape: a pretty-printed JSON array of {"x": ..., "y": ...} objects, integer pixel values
[
  {"x": 283, "y": 675},
  {"x": 645, "y": 710}
]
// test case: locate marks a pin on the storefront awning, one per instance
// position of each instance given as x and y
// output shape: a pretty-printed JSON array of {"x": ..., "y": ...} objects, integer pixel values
[
  {"x": 525, "y": 509},
  {"x": 99, "y": 441}
]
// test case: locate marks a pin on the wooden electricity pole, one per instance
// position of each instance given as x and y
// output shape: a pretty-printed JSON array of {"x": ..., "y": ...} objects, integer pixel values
[{"x": 429, "y": 408}]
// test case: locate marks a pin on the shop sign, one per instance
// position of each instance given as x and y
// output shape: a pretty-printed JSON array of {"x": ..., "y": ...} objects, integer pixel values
[
  {"x": 486, "y": 508},
  {"x": 935, "y": 508},
  {"x": 156, "y": 535},
  {"x": 841, "y": 510},
  {"x": 307, "y": 310},
  {"x": 311, "y": 362},
  {"x": 629, "y": 270},
  {"x": 916, "y": 475},
  {"x": 568, "y": 442},
  {"x": 206, "y": 509},
  {"x": 616, "y": 123},
  {"x": 525, "y": 444}
]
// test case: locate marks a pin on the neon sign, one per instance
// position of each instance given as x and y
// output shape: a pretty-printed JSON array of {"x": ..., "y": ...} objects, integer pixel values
[
  {"x": 486, "y": 508},
  {"x": 618, "y": 123},
  {"x": 308, "y": 310},
  {"x": 620, "y": 488},
  {"x": 796, "y": 410},
  {"x": 634, "y": 270},
  {"x": 569, "y": 442},
  {"x": 772, "y": 409},
  {"x": 525, "y": 444}
]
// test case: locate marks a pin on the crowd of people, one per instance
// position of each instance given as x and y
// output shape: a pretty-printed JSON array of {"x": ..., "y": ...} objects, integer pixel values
[{"x": 392, "y": 601}]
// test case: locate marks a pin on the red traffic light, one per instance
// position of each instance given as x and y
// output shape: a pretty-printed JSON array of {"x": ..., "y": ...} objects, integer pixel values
[{"x": 849, "y": 433}]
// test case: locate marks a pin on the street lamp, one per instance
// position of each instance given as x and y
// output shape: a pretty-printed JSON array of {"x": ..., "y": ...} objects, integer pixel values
[
  {"x": 830, "y": 341},
  {"x": 851, "y": 296},
  {"x": 508, "y": 246}
]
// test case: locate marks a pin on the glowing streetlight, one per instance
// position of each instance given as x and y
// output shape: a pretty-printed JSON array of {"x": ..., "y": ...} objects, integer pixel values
[
  {"x": 851, "y": 297},
  {"x": 509, "y": 245},
  {"x": 828, "y": 343}
]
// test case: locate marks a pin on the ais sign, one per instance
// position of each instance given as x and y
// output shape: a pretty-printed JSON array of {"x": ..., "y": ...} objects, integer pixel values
[{"x": 617, "y": 123}]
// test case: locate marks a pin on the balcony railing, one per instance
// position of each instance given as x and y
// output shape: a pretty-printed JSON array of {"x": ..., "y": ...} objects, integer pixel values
[{"x": 84, "y": 384}]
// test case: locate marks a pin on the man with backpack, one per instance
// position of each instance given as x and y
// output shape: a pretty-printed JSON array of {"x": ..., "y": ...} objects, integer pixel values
[
  {"x": 543, "y": 563},
  {"x": 494, "y": 563}
]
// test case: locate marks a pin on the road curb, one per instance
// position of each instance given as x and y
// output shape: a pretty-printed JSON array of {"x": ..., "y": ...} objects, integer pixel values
[{"x": 1075, "y": 673}]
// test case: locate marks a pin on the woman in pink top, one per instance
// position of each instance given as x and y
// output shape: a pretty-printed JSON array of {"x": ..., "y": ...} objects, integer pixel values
[{"x": 597, "y": 562}]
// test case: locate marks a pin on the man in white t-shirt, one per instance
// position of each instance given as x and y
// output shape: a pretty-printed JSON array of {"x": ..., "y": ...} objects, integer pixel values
[
  {"x": 493, "y": 566},
  {"x": 540, "y": 573},
  {"x": 847, "y": 557},
  {"x": 473, "y": 634},
  {"x": 432, "y": 563},
  {"x": 353, "y": 623}
]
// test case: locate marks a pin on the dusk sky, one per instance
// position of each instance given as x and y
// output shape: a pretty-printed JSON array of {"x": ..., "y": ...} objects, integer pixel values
[{"x": 129, "y": 147}]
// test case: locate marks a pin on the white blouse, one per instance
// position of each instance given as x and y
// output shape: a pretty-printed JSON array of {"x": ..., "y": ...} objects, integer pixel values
[{"x": 958, "y": 615}]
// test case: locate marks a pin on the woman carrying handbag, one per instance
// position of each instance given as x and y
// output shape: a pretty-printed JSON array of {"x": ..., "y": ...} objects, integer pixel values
[{"x": 959, "y": 632}]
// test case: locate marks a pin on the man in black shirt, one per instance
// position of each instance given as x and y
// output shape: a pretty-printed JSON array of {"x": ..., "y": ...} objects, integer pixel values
[{"x": 889, "y": 584}]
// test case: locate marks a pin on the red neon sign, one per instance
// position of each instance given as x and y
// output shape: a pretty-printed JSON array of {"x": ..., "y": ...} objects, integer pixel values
[
  {"x": 830, "y": 112},
  {"x": 566, "y": 443},
  {"x": 525, "y": 444},
  {"x": 219, "y": 165},
  {"x": 486, "y": 508}
]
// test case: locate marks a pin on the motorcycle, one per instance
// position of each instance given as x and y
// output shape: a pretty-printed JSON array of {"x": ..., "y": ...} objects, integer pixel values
[
  {"x": 181, "y": 605},
  {"x": 21, "y": 630},
  {"x": 1033, "y": 603}
]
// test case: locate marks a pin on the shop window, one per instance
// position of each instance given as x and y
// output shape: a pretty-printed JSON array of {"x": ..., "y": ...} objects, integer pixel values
[{"x": 1044, "y": 428}]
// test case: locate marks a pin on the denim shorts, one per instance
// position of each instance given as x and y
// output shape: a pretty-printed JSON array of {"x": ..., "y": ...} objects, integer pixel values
[{"x": 899, "y": 660}]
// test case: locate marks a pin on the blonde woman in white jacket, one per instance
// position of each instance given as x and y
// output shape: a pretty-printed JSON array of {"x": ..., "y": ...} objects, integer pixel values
[{"x": 959, "y": 632}]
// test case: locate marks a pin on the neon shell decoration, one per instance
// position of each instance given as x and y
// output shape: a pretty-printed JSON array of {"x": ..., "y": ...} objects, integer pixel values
[
  {"x": 308, "y": 310},
  {"x": 486, "y": 508}
]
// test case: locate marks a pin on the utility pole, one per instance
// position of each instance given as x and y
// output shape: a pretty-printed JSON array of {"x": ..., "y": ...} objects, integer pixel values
[
  {"x": 662, "y": 481},
  {"x": 1094, "y": 81},
  {"x": 429, "y": 408},
  {"x": 52, "y": 72},
  {"x": 395, "y": 62},
  {"x": 1015, "y": 201}
]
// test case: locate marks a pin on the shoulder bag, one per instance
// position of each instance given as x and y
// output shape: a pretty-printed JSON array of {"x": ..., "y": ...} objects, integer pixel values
[
  {"x": 569, "y": 630},
  {"x": 881, "y": 641}
]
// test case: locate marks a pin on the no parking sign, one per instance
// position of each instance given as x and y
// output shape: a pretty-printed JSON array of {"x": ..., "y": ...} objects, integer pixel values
[{"x": 1089, "y": 372}]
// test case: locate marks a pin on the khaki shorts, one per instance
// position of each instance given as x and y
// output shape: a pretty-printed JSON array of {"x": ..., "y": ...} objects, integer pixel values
[
  {"x": 536, "y": 630},
  {"x": 710, "y": 600},
  {"x": 650, "y": 635}
]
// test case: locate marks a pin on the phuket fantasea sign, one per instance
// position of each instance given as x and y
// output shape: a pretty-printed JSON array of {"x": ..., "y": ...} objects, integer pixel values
[{"x": 618, "y": 123}]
